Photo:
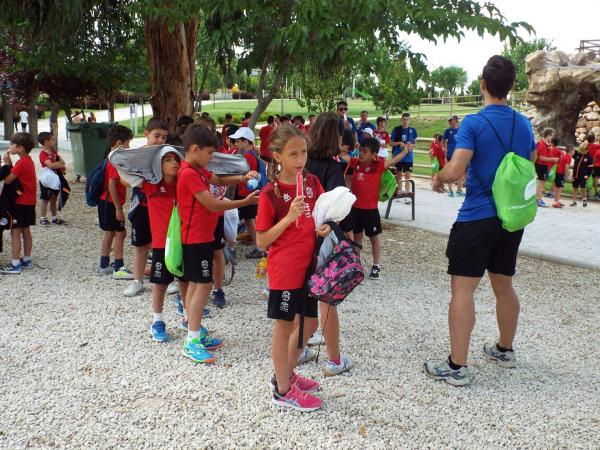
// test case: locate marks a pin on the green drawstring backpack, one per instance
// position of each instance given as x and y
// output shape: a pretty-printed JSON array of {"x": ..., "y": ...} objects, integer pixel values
[
  {"x": 514, "y": 187},
  {"x": 173, "y": 246},
  {"x": 435, "y": 165},
  {"x": 589, "y": 185},
  {"x": 552, "y": 173},
  {"x": 387, "y": 186}
]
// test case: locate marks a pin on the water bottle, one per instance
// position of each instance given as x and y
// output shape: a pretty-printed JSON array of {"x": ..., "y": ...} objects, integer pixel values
[
  {"x": 261, "y": 269},
  {"x": 252, "y": 184}
]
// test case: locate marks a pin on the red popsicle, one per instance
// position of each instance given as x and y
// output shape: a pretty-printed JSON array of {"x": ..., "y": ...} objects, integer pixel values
[{"x": 299, "y": 187}]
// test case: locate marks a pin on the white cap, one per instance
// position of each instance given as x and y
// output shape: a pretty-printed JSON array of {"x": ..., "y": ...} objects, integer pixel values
[
  {"x": 243, "y": 132},
  {"x": 368, "y": 131}
]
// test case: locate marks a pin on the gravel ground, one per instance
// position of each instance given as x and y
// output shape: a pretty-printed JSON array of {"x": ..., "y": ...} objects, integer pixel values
[{"x": 78, "y": 367}]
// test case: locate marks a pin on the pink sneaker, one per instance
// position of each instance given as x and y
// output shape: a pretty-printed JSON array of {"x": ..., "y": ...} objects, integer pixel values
[
  {"x": 297, "y": 399},
  {"x": 304, "y": 384}
]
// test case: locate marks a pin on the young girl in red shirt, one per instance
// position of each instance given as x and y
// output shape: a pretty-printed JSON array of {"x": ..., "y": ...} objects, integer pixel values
[{"x": 286, "y": 227}]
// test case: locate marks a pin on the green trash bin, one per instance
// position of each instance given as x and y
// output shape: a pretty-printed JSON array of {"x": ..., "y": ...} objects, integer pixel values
[{"x": 88, "y": 144}]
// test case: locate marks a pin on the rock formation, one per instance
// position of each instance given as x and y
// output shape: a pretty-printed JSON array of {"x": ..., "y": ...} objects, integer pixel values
[{"x": 561, "y": 86}]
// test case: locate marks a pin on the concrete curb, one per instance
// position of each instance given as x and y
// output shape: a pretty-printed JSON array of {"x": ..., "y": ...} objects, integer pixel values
[{"x": 522, "y": 252}]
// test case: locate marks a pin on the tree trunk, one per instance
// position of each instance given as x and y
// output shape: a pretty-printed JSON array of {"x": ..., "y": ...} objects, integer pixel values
[
  {"x": 111, "y": 109},
  {"x": 33, "y": 118},
  {"x": 172, "y": 62},
  {"x": 7, "y": 114},
  {"x": 54, "y": 109},
  {"x": 263, "y": 101}
]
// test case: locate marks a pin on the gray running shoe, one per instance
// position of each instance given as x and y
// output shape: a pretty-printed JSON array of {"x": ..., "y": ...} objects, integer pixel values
[
  {"x": 504, "y": 359},
  {"x": 443, "y": 371}
]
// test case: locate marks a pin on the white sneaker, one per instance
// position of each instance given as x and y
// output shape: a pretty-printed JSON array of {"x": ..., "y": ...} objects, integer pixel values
[
  {"x": 307, "y": 355},
  {"x": 122, "y": 274},
  {"x": 316, "y": 339},
  {"x": 106, "y": 271},
  {"x": 504, "y": 359},
  {"x": 173, "y": 288},
  {"x": 331, "y": 369},
  {"x": 136, "y": 287}
]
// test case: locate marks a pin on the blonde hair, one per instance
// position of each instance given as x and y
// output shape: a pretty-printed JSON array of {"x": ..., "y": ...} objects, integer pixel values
[{"x": 278, "y": 140}]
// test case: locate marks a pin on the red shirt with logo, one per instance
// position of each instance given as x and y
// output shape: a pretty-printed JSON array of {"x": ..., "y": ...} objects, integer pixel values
[
  {"x": 197, "y": 222},
  {"x": 543, "y": 150},
  {"x": 565, "y": 160},
  {"x": 365, "y": 182},
  {"x": 110, "y": 173},
  {"x": 291, "y": 254},
  {"x": 265, "y": 138},
  {"x": 594, "y": 150},
  {"x": 436, "y": 151},
  {"x": 24, "y": 170},
  {"x": 251, "y": 157},
  {"x": 161, "y": 198},
  {"x": 555, "y": 152},
  {"x": 47, "y": 156}
]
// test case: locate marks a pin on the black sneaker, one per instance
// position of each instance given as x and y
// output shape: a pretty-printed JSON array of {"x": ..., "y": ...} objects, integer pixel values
[
  {"x": 584, "y": 203},
  {"x": 374, "y": 275}
]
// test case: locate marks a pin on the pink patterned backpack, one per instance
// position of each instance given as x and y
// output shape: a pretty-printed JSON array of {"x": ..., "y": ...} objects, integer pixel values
[{"x": 340, "y": 274}]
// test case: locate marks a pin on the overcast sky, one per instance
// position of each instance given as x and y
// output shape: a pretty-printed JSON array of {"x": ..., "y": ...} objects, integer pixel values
[{"x": 564, "y": 22}]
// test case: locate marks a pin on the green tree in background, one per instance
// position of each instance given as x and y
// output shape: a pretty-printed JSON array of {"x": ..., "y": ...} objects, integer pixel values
[
  {"x": 450, "y": 80},
  {"x": 518, "y": 51}
]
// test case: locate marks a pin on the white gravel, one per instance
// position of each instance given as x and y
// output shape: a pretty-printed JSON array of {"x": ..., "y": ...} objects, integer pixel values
[{"x": 78, "y": 368}]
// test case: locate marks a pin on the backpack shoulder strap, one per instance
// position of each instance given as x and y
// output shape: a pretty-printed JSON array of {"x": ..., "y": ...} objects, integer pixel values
[{"x": 512, "y": 131}]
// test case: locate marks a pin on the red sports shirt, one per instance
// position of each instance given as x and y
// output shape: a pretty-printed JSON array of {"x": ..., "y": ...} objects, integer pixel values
[
  {"x": 436, "y": 151},
  {"x": 161, "y": 198},
  {"x": 382, "y": 136},
  {"x": 24, "y": 170},
  {"x": 291, "y": 254},
  {"x": 565, "y": 160},
  {"x": 47, "y": 156},
  {"x": 365, "y": 182},
  {"x": 250, "y": 156},
  {"x": 594, "y": 150},
  {"x": 110, "y": 173},
  {"x": 554, "y": 153},
  {"x": 543, "y": 150},
  {"x": 265, "y": 138},
  {"x": 201, "y": 221}
]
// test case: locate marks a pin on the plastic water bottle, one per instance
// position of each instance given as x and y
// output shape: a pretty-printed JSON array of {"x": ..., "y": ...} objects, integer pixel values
[
  {"x": 261, "y": 269},
  {"x": 252, "y": 184}
]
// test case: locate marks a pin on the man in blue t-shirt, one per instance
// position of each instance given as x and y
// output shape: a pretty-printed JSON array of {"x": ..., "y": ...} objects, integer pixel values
[
  {"x": 404, "y": 137},
  {"x": 345, "y": 122},
  {"x": 362, "y": 125},
  {"x": 449, "y": 144},
  {"x": 477, "y": 241}
]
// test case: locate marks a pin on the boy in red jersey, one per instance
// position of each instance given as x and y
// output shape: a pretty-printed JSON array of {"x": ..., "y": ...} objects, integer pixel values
[{"x": 23, "y": 212}]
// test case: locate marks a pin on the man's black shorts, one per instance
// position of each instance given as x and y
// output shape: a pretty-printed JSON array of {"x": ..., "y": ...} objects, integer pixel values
[
  {"x": 596, "y": 172},
  {"x": 219, "y": 242},
  {"x": 579, "y": 182},
  {"x": 198, "y": 263},
  {"x": 542, "y": 172},
  {"x": 46, "y": 193},
  {"x": 480, "y": 245},
  {"x": 107, "y": 217},
  {"x": 559, "y": 180},
  {"x": 160, "y": 274},
  {"x": 140, "y": 227},
  {"x": 284, "y": 305},
  {"x": 366, "y": 220},
  {"x": 23, "y": 216},
  {"x": 404, "y": 167}
]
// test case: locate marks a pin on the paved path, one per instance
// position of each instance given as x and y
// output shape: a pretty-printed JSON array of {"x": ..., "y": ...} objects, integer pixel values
[{"x": 568, "y": 236}]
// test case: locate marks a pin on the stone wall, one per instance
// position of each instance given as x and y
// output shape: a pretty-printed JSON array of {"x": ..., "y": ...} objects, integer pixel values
[{"x": 589, "y": 121}]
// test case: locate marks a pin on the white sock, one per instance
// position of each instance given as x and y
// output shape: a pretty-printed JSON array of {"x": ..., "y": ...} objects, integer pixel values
[
  {"x": 139, "y": 281},
  {"x": 26, "y": 258},
  {"x": 193, "y": 334},
  {"x": 158, "y": 317},
  {"x": 16, "y": 262},
  {"x": 185, "y": 315},
  {"x": 53, "y": 218}
]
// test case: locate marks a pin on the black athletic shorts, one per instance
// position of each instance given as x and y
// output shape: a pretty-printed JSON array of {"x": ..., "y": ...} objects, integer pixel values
[
  {"x": 284, "y": 305},
  {"x": 559, "y": 180},
  {"x": 107, "y": 217},
  {"x": 404, "y": 167},
  {"x": 140, "y": 227},
  {"x": 198, "y": 263},
  {"x": 366, "y": 220},
  {"x": 23, "y": 216},
  {"x": 480, "y": 245},
  {"x": 246, "y": 212},
  {"x": 160, "y": 274},
  {"x": 46, "y": 193},
  {"x": 596, "y": 172},
  {"x": 579, "y": 182},
  {"x": 542, "y": 172},
  {"x": 219, "y": 242},
  {"x": 346, "y": 223}
]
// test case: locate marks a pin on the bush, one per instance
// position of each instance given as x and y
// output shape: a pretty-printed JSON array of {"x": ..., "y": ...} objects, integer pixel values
[
  {"x": 243, "y": 95},
  {"x": 203, "y": 96},
  {"x": 239, "y": 117}
]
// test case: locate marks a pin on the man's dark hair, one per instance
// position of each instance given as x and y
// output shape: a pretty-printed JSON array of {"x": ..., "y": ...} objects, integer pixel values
[
  {"x": 372, "y": 144},
  {"x": 199, "y": 135},
  {"x": 285, "y": 118},
  {"x": 364, "y": 112},
  {"x": 299, "y": 118},
  {"x": 247, "y": 115},
  {"x": 156, "y": 123},
  {"x": 24, "y": 140},
  {"x": 119, "y": 133},
  {"x": 405, "y": 115},
  {"x": 310, "y": 116},
  {"x": 379, "y": 120},
  {"x": 43, "y": 137},
  {"x": 349, "y": 139},
  {"x": 555, "y": 141},
  {"x": 270, "y": 120},
  {"x": 228, "y": 116},
  {"x": 499, "y": 74},
  {"x": 341, "y": 102}
]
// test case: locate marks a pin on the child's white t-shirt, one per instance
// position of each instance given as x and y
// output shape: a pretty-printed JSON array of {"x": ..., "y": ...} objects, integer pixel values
[{"x": 23, "y": 115}]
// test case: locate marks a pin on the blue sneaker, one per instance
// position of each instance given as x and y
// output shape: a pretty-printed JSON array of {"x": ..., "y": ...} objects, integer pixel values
[
  {"x": 451, "y": 194},
  {"x": 179, "y": 305},
  {"x": 218, "y": 298},
  {"x": 193, "y": 349},
  {"x": 210, "y": 343},
  {"x": 184, "y": 326},
  {"x": 460, "y": 194},
  {"x": 25, "y": 265},
  {"x": 159, "y": 332},
  {"x": 10, "y": 269},
  {"x": 206, "y": 313},
  {"x": 542, "y": 204}
]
